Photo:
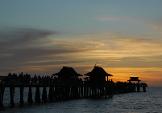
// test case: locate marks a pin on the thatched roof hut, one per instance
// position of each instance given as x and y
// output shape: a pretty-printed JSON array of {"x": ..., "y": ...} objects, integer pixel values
[
  {"x": 67, "y": 73},
  {"x": 134, "y": 79},
  {"x": 98, "y": 74}
]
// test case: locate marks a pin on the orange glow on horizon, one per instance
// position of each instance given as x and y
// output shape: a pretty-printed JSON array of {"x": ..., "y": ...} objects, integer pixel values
[{"x": 152, "y": 76}]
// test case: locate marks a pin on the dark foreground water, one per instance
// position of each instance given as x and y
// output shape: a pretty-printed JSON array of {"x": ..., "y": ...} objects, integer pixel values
[{"x": 149, "y": 102}]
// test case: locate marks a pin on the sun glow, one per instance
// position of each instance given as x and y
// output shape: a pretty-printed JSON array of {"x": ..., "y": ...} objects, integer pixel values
[{"x": 149, "y": 75}]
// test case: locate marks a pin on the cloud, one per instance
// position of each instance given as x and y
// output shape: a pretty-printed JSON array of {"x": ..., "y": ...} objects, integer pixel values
[
  {"x": 117, "y": 50},
  {"x": 34, "y": 50},
  {"x": 157, "y": 26},
  {"x": 122, "y": 46},
  {"x": 21, "y": 45},
  {"x": 22, "y": 36},
  {"x": 27, "y": 47},
  {"x": 115, "y": 18}
]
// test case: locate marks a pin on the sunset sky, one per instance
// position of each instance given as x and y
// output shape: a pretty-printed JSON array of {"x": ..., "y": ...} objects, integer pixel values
[{"x": 123, "y": 36}]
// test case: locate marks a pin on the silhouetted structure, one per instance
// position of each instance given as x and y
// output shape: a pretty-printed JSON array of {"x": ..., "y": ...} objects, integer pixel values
[
  {"x": 97, "y": 82},
  {"x": 66, "y": 84},
  {"x": 66, "y": 74},
  {"x": 134, "y": 78},
  {"x": 69, "y": 82},
  {"x": 98, "y": 75},
  {"x": 137, "y": 83}
]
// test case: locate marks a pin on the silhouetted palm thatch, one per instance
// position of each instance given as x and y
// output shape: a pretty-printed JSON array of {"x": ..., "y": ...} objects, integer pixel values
[
  {"x": 98, "y": 74},
  {"x": 67, "y": 73}
]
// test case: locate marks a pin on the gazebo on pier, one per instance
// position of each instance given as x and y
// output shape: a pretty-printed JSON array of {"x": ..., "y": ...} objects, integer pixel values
[
  {"x": 68, "y": 83},
  {"x": 67, "y": 73},
  {"x": 134, "y": 79},
  {"x": 96, "y": 84},
  {"x": 98, "y": 74},
  {"x": 137, "y": 83}
]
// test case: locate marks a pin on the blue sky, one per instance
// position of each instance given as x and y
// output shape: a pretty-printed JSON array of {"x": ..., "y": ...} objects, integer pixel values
[
  {"x": 123, "y": 36},
  {"x": 78, "y": 15}
]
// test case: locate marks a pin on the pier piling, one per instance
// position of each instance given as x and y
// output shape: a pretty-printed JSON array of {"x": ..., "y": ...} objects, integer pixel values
[
  {"x": 37, "y": 95},
  {"x": 2, "y": 89},
  {"x": 44, "y": 95},
  {"x": 30, "y": 99},
  {"x": 21, "y": 95},
  {"x": 12, "y": 91}
]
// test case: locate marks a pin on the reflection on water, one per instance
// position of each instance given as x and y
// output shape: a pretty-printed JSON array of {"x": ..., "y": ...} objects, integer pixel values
[{"x": 149, "y": 102}]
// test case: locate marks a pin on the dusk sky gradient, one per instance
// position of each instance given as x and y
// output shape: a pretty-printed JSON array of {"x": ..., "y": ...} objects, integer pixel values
[{"x": 123, "y": 36}]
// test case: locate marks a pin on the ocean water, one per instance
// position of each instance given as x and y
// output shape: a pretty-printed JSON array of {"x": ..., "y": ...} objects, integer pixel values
[{"x": 149, "y": 102}]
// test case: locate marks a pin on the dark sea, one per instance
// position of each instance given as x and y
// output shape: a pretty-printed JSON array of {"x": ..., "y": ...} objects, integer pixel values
[{"x": 149, "y": 102}]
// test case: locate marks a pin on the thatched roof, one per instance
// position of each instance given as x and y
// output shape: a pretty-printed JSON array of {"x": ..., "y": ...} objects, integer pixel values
[
  {"x": 67, "y": 72},
  {"x": 98, "y": 71},
  {"x": 134, "y": 79}
]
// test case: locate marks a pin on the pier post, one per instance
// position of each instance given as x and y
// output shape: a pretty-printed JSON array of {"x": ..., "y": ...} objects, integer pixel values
[
  {"x": 138, "y": 87},
  {"x": 12, "y": 90},
  {"x": 86, "y": 91},
  {"x": 2, "y": 89},
  {"x": 30, "y": 99},
  {"x": 144, "y": 87},
  {"x": 44, "y": 95},
  {"x": 21, "y": 95},
  {"x": 50, "y": 94},
  {"x": 37, "y": 95}
]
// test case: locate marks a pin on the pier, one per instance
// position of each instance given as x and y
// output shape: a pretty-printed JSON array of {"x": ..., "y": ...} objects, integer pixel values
[{"x": 67, "y": 84}]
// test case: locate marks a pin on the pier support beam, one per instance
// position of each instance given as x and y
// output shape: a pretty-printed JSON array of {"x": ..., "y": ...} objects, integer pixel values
[
  {"x": 44, "y": 95},
  {"x": 30, "y": 99},
  {"x": 2, "y": 89},
  {"x": 21, "y": 95},
  {"x": 144, "y": 89},
  {"x": 51, "y": 94},
  {"x": 12, "y": 90},
  {"x": 138, "y": 87},
  {"x": 37, "y": 95}
]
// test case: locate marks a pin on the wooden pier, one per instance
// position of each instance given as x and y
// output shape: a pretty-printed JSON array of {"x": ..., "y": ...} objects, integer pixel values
[{"x": 65, "y": 85}]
